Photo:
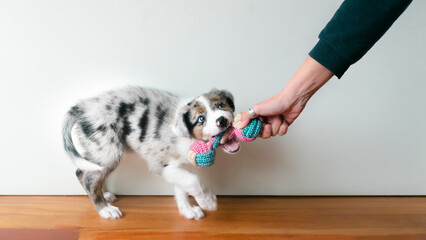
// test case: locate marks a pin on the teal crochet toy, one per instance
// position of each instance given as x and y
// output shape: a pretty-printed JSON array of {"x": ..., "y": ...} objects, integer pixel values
[{"x": 202, "y": 154}]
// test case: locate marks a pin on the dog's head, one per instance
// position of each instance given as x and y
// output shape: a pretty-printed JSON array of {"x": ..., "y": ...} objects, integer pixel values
[{"x": 206, "y": 116}]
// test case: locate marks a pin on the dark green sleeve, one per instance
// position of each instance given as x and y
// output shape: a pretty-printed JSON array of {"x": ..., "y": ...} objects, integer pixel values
[{"x": 354, "y": 29}]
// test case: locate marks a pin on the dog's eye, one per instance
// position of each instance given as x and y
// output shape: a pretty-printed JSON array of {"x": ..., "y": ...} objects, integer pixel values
[
  {"x": 201, "y": 119},
  {"x": 220, "y": 105}
]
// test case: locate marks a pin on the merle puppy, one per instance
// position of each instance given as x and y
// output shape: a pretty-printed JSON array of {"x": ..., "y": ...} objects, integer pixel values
[{"x": 155, "y": 124}]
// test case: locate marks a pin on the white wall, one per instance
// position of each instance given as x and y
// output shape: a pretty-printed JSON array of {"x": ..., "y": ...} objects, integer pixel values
[{"x": 364, "y": 134}]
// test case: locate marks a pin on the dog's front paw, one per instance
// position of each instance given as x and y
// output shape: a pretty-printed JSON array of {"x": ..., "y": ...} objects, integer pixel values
[
  {"x": 110, "y": 212},
  {"x": 207, "y": 201},
  {"x": 193, "y": 212}
]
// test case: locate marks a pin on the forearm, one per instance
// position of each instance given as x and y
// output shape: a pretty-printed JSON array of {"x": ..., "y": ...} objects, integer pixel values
[
  {"x": 310, "y": 77},
  {"x": 354, "y": 29},
  {"x": 282, "y": 109}
]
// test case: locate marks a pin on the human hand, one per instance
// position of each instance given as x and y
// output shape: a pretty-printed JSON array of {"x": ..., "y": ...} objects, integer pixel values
[{"x": 281, "y": 110}]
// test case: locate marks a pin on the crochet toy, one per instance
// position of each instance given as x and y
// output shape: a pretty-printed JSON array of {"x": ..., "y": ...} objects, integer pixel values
[{"x": 202, "y": 154}]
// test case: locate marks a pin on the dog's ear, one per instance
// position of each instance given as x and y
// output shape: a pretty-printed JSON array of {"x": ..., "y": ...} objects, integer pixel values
[
  {"x": 183, "y": 124},
  {"x": 226, "y": 95}
]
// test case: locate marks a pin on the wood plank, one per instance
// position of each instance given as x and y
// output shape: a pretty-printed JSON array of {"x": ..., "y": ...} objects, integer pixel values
[
  {"x": 236, "y": 218},
  {"x": 119, "y": 235},
  {"x": 39, "y": 234}
]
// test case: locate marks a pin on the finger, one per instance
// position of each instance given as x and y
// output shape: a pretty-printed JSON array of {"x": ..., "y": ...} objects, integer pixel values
[
  {"x": 283, "y": 129},
  {"x": 246, "y": 116},
  {"x": 245, "y": 119},
  {"x": 276, "y": 124},
  {"x": 267, "y": 130}
]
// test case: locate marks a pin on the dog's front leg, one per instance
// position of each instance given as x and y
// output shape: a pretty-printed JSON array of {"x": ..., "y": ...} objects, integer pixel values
[
  {"x": 189, "y": 183},
  {"x": 185, "y": 208}
]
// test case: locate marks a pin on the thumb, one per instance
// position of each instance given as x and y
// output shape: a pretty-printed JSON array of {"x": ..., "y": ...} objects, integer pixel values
[
  {"x": 262, "y": 108},
  {"x": 245, "y": 119},
  {"x": 246, "y": 116}
]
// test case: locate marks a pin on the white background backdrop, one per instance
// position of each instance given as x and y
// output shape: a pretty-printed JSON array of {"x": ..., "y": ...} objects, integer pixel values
[{"x": 363, "y": 134}]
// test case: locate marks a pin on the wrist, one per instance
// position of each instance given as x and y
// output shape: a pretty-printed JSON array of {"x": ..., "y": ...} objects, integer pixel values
[{"x": 310, "y": 77}]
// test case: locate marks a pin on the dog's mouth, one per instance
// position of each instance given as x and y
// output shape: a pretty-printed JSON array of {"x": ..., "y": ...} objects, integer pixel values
[{"x": 231, "y": 146}]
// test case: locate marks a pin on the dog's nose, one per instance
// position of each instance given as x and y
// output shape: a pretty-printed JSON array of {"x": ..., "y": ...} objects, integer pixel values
[{"x": 221, "y": 122}]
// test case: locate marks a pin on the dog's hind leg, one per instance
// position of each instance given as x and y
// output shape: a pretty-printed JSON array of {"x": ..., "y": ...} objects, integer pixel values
[
  {"x": 100, "y": 153},
  {"x": 92, "y": 182}
]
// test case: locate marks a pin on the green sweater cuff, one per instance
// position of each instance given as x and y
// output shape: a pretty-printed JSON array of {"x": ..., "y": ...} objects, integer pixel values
[{"x": 327, "y": 56}]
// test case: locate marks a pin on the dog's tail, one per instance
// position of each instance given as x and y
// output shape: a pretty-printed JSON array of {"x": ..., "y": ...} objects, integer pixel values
[
  {"x": 69, "y": 146},
  {"x": 72, "y": 118}
]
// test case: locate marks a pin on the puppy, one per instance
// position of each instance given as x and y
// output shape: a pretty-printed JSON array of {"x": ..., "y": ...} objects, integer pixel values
[{"x": 158, "y": 126}]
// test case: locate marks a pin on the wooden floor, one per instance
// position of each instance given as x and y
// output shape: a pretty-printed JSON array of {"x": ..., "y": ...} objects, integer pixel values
[{"x": 330, "y": 218}]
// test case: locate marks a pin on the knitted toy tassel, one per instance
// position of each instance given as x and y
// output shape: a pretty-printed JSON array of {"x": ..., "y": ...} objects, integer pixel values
[{"x": 202, "y": 154}]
